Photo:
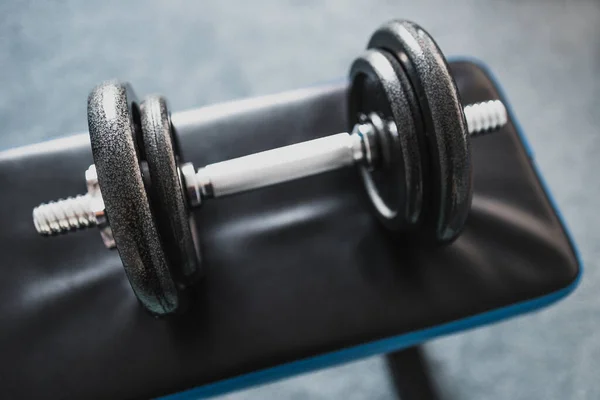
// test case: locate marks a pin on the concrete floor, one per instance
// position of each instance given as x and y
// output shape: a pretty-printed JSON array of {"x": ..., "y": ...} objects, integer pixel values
[{"x": 545, "y": 53}]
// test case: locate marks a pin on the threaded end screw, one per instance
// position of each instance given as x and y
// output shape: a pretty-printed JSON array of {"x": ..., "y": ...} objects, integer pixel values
[
  {"x": 64, "y": 215},
  {"x": 485, "y": 117}
]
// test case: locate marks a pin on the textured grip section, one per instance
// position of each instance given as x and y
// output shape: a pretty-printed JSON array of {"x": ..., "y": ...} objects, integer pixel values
[
  {"x": 64, "y": 215},
  {"x": 485, "y": 117}
]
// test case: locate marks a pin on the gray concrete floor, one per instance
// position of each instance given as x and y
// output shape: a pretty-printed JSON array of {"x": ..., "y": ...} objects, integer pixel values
[{"x": 545, "y": 53}]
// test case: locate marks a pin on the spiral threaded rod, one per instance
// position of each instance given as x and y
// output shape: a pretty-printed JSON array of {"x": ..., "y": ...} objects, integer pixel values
[
  {"x": 64, "y": 215},
  {"x": 485, "y": 117}
]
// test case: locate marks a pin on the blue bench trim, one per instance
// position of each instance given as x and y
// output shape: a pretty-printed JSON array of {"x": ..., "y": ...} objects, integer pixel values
[{"x": 408, "y": 339}]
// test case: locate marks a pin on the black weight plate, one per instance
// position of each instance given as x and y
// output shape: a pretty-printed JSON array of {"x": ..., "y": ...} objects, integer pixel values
[
  {"x": 177, "y": 229},
  {"x": 445, "y": 125},
  {"x": 113, "y": 119},
  {"x": 395, "y": 186}
]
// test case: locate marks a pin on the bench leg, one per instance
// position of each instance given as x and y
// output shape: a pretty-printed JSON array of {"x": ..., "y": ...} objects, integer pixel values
[{"x": 411, "y": 374}]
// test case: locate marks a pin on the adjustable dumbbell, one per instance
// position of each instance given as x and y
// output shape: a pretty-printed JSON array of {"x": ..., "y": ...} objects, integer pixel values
[{"x": 409, "y": 139}]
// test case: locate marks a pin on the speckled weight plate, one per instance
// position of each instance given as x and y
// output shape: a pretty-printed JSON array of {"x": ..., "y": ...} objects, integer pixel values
[
  {"x": 450, "y": 177},
  {"x": 113, "y": 119}
]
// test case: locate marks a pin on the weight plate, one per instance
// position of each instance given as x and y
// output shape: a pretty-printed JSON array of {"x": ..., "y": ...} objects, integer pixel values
[
  {"x": 444, "y": 122},
  {"x": 113, "y": 119},
  {"x": 395, "y": 186},
  {"x": 176, "y": 227}
]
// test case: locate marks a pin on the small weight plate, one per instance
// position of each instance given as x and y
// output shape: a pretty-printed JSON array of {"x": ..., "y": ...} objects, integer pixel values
[
  {"x": 395, "y": 186},
  {"x": 176, "y": 227},
  {"x": 113, "y": 119},
  {"x": 444, "y": 123}
]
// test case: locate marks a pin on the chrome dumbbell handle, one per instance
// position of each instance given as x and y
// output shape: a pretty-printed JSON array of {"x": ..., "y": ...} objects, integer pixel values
[
  {"x": 249, "y": 172},
  {"x": 278, "y": 165}
]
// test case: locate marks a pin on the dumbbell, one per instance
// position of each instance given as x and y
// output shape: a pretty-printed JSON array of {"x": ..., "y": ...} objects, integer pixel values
[{"x": 409, "y": 139}]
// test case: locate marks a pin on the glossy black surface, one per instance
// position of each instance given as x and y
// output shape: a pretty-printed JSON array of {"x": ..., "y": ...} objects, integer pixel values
[
  {"x": 449, "y": 182},
  {"x": 293, "y": 271}
]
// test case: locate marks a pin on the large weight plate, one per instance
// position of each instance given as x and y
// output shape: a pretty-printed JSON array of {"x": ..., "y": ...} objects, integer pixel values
[
  {"x": 450, "y": 174},
  {"x": 113, "y": 119}
]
